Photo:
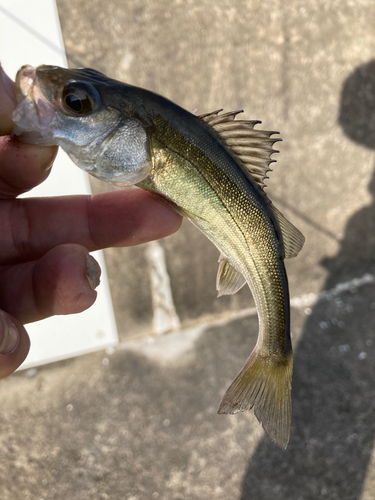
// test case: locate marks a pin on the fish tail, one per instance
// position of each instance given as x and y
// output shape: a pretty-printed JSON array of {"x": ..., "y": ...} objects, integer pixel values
[{"x": 265, "y": 384}]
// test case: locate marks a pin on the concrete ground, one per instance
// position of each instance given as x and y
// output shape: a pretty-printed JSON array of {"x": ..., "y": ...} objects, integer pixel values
[{"x": 139, "y": 422}]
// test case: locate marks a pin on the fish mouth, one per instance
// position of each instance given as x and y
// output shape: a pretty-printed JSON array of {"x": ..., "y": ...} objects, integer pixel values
[{"x": 34, "y": 114}]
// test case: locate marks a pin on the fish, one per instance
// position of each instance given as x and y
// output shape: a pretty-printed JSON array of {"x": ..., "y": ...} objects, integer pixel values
[{"x": 209, "y": 168}]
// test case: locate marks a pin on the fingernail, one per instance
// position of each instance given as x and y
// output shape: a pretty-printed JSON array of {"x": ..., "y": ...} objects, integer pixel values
[
  {"x": 93, "y": 271},
  {"x": 9, "y": 336}
]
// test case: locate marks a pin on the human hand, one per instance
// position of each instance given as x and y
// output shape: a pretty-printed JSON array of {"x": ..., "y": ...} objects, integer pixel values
[{"x": 44, "y": 260}]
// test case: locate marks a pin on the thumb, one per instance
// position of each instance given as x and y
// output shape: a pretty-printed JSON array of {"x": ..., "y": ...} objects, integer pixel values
[{"x": 14, "y": 344}]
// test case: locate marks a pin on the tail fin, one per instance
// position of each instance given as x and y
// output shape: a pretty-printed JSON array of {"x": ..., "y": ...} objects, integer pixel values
[{"x": 265, "y": 384}]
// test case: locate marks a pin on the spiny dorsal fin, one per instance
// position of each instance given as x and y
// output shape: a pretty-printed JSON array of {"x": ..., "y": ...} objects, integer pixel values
[
  {"x": 252, "y": 147},
  {"x": 293, "y": 239},
  {"x": 228, "y": 279}
]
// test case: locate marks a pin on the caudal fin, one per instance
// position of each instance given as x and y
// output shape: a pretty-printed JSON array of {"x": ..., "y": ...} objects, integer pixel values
[{"x": 265, "y": 384}]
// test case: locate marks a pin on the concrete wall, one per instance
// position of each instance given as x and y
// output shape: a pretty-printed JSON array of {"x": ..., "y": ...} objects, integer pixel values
[{"x": 284, "y": 63}]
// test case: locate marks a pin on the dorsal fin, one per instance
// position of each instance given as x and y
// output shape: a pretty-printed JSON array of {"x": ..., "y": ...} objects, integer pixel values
[
  {"x": 293, "y": 238},
  {"x": 252, "y": 147}
]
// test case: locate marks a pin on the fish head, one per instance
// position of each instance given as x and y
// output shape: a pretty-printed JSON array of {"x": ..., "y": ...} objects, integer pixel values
[{"x": 75, "y": 109}]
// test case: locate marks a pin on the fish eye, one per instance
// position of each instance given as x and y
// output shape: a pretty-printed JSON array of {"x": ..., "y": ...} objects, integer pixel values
[{"x": 79, "y": 98}]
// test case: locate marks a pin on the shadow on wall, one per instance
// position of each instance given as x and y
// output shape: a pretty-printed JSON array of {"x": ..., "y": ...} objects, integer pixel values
[{"x": 333, "y": 423}]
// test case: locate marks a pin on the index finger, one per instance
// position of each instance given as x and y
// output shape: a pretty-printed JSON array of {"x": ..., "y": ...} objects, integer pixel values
[
  {"x": 22, "y": 166},
  {"x": 31, "y": 227}
]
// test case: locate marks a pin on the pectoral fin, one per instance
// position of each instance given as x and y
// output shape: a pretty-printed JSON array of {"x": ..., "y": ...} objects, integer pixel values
[
  {"x": 228, "y": 280},
  {"x": 164, "y": 200}
]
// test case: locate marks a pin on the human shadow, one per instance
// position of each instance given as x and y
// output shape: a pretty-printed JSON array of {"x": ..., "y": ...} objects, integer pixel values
[{"x": 333, "y": 423}]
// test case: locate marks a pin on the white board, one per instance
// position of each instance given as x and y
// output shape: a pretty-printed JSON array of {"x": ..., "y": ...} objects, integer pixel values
[{"x": 30, "y": 34}]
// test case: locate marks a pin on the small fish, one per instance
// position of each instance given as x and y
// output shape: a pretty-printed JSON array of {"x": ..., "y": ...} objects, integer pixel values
[{"x": 209, "y": 168}]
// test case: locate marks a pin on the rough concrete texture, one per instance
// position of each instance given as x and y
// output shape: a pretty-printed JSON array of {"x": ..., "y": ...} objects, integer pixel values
[{"x": 141, "y": 423}]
